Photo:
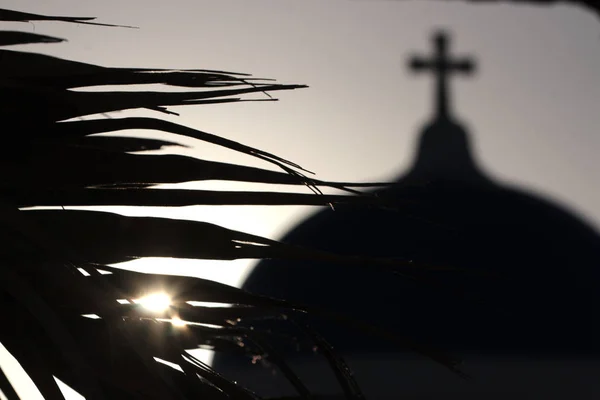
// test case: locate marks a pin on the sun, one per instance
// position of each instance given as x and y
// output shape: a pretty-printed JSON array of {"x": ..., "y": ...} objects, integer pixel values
[{"x": 156, "y": 302}]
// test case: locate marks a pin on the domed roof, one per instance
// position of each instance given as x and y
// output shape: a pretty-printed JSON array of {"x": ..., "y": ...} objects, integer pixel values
[{"x": 526, "y": 273}]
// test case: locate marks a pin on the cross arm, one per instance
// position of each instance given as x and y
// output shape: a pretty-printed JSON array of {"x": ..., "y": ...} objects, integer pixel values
[{"x": 419, "y": 64}]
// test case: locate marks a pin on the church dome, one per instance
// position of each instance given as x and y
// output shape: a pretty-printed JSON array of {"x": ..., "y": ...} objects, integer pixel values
[{"x": 519, "y": 276}]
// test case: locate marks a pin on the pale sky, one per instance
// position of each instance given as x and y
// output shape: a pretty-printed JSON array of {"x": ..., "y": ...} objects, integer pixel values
[{"x": 533, "y": 109}]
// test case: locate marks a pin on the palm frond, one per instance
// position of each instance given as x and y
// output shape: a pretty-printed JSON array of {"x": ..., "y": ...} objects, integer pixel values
[{"x": 66, "y": 320}]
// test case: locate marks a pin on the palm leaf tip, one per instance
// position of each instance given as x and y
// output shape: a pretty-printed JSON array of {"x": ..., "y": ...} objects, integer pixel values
[
  {"x": 11, "y": 38},
  {"x": 20, "y": 16}
]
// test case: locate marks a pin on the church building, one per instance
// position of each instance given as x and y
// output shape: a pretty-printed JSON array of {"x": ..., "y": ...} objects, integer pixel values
[{"x": 504, "y": 280}]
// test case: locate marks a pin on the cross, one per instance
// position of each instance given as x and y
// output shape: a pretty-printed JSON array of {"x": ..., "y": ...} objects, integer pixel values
[{"x": 442, "y": 66}]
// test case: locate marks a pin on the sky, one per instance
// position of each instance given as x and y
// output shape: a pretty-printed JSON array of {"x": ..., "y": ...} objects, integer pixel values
[{"x": 533, "y": 108}]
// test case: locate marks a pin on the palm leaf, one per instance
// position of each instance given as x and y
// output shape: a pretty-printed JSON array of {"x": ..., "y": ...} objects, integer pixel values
[
  {"x": 19, "y": 16},
  {"x": 51, "y": 281},
  {"x": 9, "y": 38},
  {"x": 41, "y": 69}
]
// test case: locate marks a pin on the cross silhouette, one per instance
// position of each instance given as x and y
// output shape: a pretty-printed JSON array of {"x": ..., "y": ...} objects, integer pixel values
[{"x": 442, "y": 66}]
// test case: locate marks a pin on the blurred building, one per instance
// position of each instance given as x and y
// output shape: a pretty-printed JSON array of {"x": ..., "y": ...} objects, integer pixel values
[{"x": 502, "y": 279}]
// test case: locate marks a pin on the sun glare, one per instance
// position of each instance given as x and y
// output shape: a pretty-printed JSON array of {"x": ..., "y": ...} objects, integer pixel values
[
  {"x": 155, "y": 302},
  {"x": 176, "y": 321}
]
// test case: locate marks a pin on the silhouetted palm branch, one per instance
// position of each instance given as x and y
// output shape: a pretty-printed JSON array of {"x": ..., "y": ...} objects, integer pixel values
[{"x": 54, "y": 269}]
